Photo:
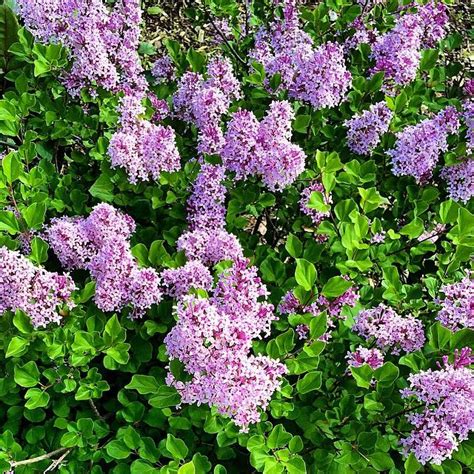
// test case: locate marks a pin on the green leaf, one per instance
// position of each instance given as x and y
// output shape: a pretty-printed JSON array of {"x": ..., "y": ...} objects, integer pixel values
[
  {"x": 26, "y": 375},
  {"x": 143, "y": 384},
  {"x": 12, "y": 166},
  {"x": 428, "y": 59},
  {"x": 439, "y": 337},
  {"x": 196, "y": 60},
  {"x": 293, "y": 246},
  {"x": 301, "y": 123},
  {"x": 177, "y": 447},
  {"x": 39, "y": 250},
  {"x": 102, "y": 189},
  {"x": 381, "y": 461},
  {"x": 311, "y": 381},
  {"x": 165, "y": 397},
  {"x": 8, "y": 222},
  {"x": 305, "y": 273},
  {"x": 17, "y": 347},
  {"x": 335, "y": 287},
  {"x": 187, "y": 468},
  {"x": 412, "y": 465},
  {"x": 8, "y": 34},
  {"x": 36, "y": 398},
  {"x": 117, "y": 449},
  {"x": 362, "y": 375},
  {"x": 413, "y": 229},
  {"x": 34, "y": 215},
  {"x": 278, "y": 437},
  {"x": 387, "y": 374}
]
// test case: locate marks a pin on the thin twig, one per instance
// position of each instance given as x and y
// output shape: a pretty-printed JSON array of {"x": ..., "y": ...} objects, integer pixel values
[
  {"x": 57, "y": 462},
  {"x": 226, "y": 41},
  {"x": 38, "y": 458},
  {"x": 95, "y": 410}
]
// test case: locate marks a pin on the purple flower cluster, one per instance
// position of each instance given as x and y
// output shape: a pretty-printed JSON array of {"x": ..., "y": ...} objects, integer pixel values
[
  {"x": 468, "y": 115},
  {"x": 460, "y": 180},
  {"x": 204, "y": 102},
  {"x": 390, "y": 330},
  {"x": 314, "y": 75},
  {"x": 38, "y": 293},
  {"x": 316, "y": 216},
  {"x": 418, "y": 147},
  {"x": 397, "y": 53},
  {"x": 213, "y": 339},
  {"x": 163, "y": 70},
  {"x": 102, "y": 42},
  {"x": 207, "y": 240},
  {"x": 334, "y": 307},
  {"x": 100, "y": 243},
  {"x": 142, "y": 148},
  {"x": 373, "y": 357},
  {"x": 448, "y": 415},
  {"x": 177, "y": 282},
  {"x": 365, "y": 130},
  {"x": 457, "y": 306},
  {"x": 263, "y": 148}
]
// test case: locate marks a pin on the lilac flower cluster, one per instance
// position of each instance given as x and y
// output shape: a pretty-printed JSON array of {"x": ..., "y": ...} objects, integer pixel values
[
  {"x": 204, "y": 102},
  {"x": 102, "y": 42},
  {"x": 213, "y": 339},
  {"x": 397, "y": 53},
  {"x": 361, "y": 35},
  {"x": 365, "y": 130},
  {"x": 177, "y": 282},
  {"x": 38, "y": 293},
  {"x": 378, "y": 237},
  {"x": 100, "y": 244},
  {"x": 418, "y": 147},
  {"x": 163, "y": 70},
  {"x": 142, "y": 148},
  {"x": 460, "y": 180},
  {"x": 390, "y": 330},
  {"x": 291, "y": 305},
  {"x": 314, "y": 75},
  {"x": 457, "y": 306},
  {"x": 265, "y": 148},
  {"x": 207, "y": 240},
  {"x": 334, "y": 307},
  {"x": 468, "y": 115},
  {"x": 373, "y": 357},
  {"x": 448, "y": 415},
  {"x": 316, "y": 216}
]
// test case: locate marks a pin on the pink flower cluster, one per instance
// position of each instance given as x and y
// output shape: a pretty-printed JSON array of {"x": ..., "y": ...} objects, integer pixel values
[
  {"x": 373, "y": 357},
  {"x": 100, "y": 243},
  {"x": 316, "y": 216},
  {"x": 263, "y": 148},
  {"x": 314, "y": 75},
  {"x": 389, "y": 330},
  {"x": 102, "y": 41},
  {"x": 204, "y": 102},
  {"x": 365, "y": 130},
  {"x": 35, "y": 291},
  {"x": 207, "y": 240},
  {"x": 213, "y": 339},
  {"x": 397, "y": 53},
  {"x": 418, "y": 147},
  {"x": 448, "y": 415},
  {"x": 177, "y": 282},
  {"x": 457, "y": 306},
  {"x": 142, "y": 148}
]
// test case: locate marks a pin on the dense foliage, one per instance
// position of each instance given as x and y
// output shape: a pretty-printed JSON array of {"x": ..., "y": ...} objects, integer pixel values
[{"x": 253, "y": 256}]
